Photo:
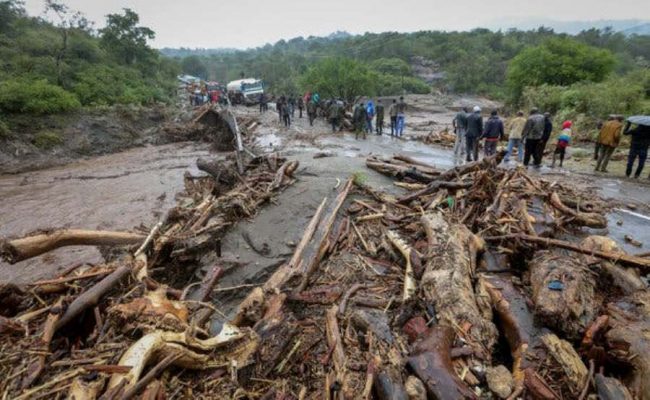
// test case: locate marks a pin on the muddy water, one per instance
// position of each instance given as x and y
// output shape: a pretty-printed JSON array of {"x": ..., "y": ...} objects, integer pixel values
[{"x": 114, "y": 192}]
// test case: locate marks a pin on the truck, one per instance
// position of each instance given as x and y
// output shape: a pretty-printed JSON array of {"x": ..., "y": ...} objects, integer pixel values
[{"x": 245, "y": 91}]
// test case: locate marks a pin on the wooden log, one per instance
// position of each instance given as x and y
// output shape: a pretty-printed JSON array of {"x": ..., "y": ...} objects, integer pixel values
[
  {"x": 447, "y": 280},
  {"x": 627, "y": 259},
  {"x": 338, "y": 355},
  {"x": 517, "y": 324},
  {"x": 91, "y": 297},
  {"x": 591, "y": 220},
  {"x": 399, "y": 171},
  {"x": 208, "y": 283},
  {"x": 410, "y": 160},
  {"x": 324, "y": 295},
  {"x": 21, "y": 249},
  {"x": 49, "y": 328},
  {"x": 568, "y": 359},
  {"x": 628, "y": 341},
  {"x": 563, "y": 291},
  {"x": 625, "y": 279},
  {"x": 386, "y": 387},
  {"x": 454, "y": 173},
  {"x": 431, "y": 362}
]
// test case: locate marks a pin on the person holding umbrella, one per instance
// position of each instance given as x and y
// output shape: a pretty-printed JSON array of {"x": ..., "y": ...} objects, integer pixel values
[{"x": 639, "y": 144}]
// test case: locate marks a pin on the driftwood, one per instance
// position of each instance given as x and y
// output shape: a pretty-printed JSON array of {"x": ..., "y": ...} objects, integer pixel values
[
  {"x": 627, "y": 259},
  {"x": 447, "y": 280},
  {"x": 563, "y": 292},
  {"x": 431, "y": 362},
  {"x": 625, "y": 279},
  {"x": 16, "y": 250},
  {"x": 591, "y": 220},
  {"x": 627, "y": 338}
]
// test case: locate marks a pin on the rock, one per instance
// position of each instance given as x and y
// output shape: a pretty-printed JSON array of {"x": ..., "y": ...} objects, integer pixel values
[
  {"x": 415, "y": 389},
  {"x": 499, "y": 381}
]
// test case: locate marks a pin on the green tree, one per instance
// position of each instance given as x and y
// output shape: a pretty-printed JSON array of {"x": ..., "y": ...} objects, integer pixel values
[
  {"x": 340, "y": 77},
  {"x": 193, "y": 65},
  {"x": 125, "y": 40},
  {"x": 558, "y": 61}
]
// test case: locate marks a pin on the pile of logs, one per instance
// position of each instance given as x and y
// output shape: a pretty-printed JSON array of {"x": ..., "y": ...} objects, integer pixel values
[
  {"x": 109, "y": 331},
  {"x": 478, "y": 282},
  {"x": 442, "y": 138}
]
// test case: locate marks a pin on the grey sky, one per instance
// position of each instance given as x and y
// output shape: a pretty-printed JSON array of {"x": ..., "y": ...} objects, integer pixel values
[{"x": 248, "y": 23}]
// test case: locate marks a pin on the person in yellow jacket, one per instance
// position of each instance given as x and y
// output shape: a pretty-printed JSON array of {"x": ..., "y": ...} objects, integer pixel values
[
  {"x": 610, "y": 136},
  {"x": 515, "y": 127}
]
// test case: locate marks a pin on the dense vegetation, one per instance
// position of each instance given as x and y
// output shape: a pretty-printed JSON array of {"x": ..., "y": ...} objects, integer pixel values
[
  {"x": 58, "y": 62},
  {"x": 516, "y": 66}
]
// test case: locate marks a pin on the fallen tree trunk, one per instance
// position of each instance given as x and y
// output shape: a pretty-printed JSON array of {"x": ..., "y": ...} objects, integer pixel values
[
  {"x": 447, "y": 280},
  {"x": 591, "y": 220},
  {"x": 431, "y": 362},
  {"x": 21, "y": 249},
  {"x": 563, "y": 292},
  {"x": 625, "y": 279},
  {"x": 630, "y": 260}
]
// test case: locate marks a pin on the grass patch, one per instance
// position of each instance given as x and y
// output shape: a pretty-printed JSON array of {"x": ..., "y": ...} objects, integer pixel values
[{"x": 47, "y": 140}]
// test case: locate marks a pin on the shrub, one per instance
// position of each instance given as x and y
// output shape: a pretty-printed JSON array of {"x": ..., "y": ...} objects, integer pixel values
[
  {"x": 47, "y": 140},
  {"x": 5, "y": 132},
  {"x": 35, "y": 96}
]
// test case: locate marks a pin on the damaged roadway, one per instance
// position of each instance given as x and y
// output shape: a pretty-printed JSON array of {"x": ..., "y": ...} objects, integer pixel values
[{"x": 356, "y": 317}]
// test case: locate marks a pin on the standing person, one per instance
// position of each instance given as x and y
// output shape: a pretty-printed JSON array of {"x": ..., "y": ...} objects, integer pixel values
[
  {"x": 359, "y": 119},
  {"x": 638, "y": 147},
  {"x": 563, "y": 142},
  {"x": 311, "y": 112},
  {"x": 370, "y": 114},
  {"x": 608, "y": 139},
  {"x": 392, "y": 111},
  {"x": 262, "y": 103},
  {"x": 286, "y": 114},
  {"x": 379, "y": 124},
  {"x": 460, "y": 129},
  {"x": 474, "y": 131},
  {"x": 301, "y": 105},
  {"x": 401, "y": 116},
  {"x": 492, "y": 133},
  {"x": 532, "y": 135},
  {"x": 599, "y": 127},
  {"x": 515, "y": 128},
  {"x": 334, "y": 114},
  {"x": 548, "y": 129},
  {"x": 278, "y": 107},
  {"x": 292, "y": 106}
]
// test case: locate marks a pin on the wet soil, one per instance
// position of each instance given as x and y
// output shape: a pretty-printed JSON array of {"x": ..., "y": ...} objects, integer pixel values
[{"x": 125, "y": 190}]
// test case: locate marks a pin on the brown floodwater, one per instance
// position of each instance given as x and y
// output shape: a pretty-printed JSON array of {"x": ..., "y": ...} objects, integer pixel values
[{"x": 114, "y": 192}]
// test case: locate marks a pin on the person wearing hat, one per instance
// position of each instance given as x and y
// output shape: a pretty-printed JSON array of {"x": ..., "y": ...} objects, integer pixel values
[
  {"x": 532, "y": 135},
  {"x": 474, "y": 132},
  {"x": 608, "y": 139}
]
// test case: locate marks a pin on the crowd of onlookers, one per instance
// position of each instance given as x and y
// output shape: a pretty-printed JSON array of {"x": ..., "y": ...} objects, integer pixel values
[{"x": 529, "y": 136}]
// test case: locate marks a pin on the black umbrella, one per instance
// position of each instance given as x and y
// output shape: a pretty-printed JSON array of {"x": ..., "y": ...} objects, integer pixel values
[{"x": 640, "y": 120}]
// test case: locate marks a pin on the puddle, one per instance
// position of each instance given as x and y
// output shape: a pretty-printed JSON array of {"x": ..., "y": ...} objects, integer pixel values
[
  {"x": 634, "y": 224},
  {"x": 270, "y": 141}
]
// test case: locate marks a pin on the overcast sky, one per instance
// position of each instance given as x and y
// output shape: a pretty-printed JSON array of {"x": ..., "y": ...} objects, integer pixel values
[{"x": 248, "y": 23}]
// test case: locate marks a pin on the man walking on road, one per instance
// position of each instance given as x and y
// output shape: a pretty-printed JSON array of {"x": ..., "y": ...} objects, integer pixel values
[
  {"x": 532, "y": 135},
  {"x": 515, "y": 128},
  {"x": 359, "y": 119},
  {"x": 380, "y": 118},
  {"x": 492, "y": 134},
  {"x": 401, "y": 116},
  {"x": 474, "y": 131},
  {"x": 393, "y": 118},
  {"x": 610, "y": 136},
  {"x": 460, "y": 129},
  {"x": 638, "y": 147}
]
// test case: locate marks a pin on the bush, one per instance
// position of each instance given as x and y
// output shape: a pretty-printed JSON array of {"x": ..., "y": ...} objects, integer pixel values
[
  {"x": 35, "y": 96},
  {"x": 5, "y": 132},
  {"x": 47, "y": 140},
  {"x": 108, "y": 85}
]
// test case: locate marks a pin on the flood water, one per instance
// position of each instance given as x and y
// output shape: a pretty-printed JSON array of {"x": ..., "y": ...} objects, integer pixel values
[{"x": 114, "y": 192}]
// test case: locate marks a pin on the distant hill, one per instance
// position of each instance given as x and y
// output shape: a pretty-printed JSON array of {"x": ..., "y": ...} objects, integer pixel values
[
  {"x": 626, "y": 26},
  {"x": 186, "y": 51}
]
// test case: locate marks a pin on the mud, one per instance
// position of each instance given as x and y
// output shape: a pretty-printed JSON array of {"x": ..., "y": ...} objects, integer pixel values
[
  {"x": 122, "y": 191},
  {"x": 114, "y": 192}
]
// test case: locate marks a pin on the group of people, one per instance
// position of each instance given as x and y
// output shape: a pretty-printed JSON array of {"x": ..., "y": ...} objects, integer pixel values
[
  {"x": 528, "y": 135},
  {"x": 609, "y": 138},
  {"x": 286, "y": 108},
  {"x": 365, "y": 113}
]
